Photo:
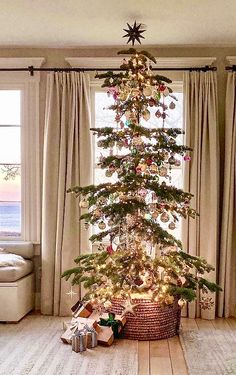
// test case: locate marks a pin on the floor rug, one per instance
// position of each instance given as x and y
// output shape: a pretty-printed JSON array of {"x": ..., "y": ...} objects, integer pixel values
[
  {"x": 33, "y": 347},
  {"x": 209, "y": 352}
]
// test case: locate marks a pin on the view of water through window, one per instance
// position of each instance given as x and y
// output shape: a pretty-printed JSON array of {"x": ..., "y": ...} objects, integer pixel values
[{"x": 10, "y": 163}]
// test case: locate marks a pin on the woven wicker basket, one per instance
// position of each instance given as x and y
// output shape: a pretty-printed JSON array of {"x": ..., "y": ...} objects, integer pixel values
[{"x": 151, "y": 321}]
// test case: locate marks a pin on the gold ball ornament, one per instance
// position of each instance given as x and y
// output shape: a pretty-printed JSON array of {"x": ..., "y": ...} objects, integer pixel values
[
  {"x": 164, "y": 217},
  {"x": 108, "y": 173},
  {"x": 102, "y": 225},
  {"x": 146, "y": 115},
  {"x": 153, "y": 168},
  {"x": 147, "y": 91},
  {"x": 155, "y": 215},
  {"x": 163, "y": 171},
  {"x": 172, "y": 226},
  {"x": 83, "y": 203}
]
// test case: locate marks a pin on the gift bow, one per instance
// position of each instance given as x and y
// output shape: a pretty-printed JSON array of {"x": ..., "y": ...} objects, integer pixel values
[{"x": 111, "y": 322}]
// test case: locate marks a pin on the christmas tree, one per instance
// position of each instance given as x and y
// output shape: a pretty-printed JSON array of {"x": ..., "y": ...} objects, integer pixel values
[{"x": 143, "y": 259}]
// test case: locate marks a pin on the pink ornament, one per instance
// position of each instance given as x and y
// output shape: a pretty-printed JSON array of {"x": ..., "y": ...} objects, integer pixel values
[
  {"x": 110, "y": 249},
  {"x": 187, "y": 158},
  {"x": 113, "y": 91}
]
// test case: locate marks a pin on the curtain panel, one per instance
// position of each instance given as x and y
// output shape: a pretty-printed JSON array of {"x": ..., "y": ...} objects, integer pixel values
[
  {"x": 227, "y": 269},
  {"x": 201, "y": 236},
  {"x": 67, "y": 162}
]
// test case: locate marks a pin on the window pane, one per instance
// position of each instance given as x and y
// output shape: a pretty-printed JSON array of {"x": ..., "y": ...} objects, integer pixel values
[
  {"x": 10, "y": 107},
  {"x": 9, "y": 145},
  {"x": 10, "y": 201}
]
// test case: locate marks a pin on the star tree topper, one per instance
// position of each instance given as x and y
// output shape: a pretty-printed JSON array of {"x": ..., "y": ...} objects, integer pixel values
[{"x": 134, "y": 33}]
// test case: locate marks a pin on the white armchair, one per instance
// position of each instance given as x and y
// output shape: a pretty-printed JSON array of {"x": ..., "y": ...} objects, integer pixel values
[{"x": 16, "y": 282}]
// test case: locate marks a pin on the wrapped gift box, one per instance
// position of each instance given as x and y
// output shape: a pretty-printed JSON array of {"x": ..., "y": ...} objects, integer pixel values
[{"x": 105, "y": 336}]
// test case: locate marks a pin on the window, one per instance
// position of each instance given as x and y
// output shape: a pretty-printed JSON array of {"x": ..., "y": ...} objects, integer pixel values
[
  {"x": 19, "y": 152},
  {"x": 105, "y": 117},
  {"x": 10, "y": 163}
]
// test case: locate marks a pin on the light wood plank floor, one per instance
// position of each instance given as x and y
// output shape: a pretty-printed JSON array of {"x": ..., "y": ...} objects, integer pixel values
[{"x": 165, "y": 357}]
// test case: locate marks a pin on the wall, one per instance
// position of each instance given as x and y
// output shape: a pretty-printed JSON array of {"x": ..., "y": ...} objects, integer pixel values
[{"x": 55, "y": 58}]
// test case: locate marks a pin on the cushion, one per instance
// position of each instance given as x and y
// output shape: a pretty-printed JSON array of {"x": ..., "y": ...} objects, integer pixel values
[
  {"x": 16, "y": 272},
  {"x": 23, "y": 248},
  {"x": 8, "y": 259}
]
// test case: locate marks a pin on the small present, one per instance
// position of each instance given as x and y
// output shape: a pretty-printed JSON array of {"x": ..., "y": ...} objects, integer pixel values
[
  {"x": 79, "y": 341},
  {"x": 82, "y": 310},
  {"x": 66, "y": 337},
  {"x": 92, "y": 337},
  {"x": 116, "y": 322},
  {"x": 77, "y": 324},
  {"x": 105, "y": 336}
]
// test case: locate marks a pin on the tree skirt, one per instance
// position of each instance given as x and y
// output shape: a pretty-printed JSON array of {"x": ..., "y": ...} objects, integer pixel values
[{"x": 209, "y": 352}]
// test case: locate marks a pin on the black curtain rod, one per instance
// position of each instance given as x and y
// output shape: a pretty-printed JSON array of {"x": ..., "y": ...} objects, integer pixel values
[
  {"x": 31, "y": 69},
  {"x": 233, "y": 68}
]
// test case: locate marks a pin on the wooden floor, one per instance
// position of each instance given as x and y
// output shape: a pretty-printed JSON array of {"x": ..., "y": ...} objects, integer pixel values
[{"x": 165, "y": 357}]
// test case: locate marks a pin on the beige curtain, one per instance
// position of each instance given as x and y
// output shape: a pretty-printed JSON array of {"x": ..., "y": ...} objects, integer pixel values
[
  {"x": 67, "y": 162},
  {"x": 227, "y": 270},
  {"x": 202, "y": 173}
]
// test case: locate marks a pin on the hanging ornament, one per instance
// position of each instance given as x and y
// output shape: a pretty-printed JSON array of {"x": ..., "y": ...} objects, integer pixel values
[
  {"x": 146, "y": 115},
  {"x": 147, "y": 91},
  {"x": 142, "y": 192},
  {"x": 187, "y": 158},
  {"x": 158, "y": 114},
  {"x": 152, "y": 102},
  {"x": 142, "y": 166},
  {"x": 172, "y": 226},
  {"x": 177, "y": 163},
  {"x": 153, "y": 168},
  {"x": 172, "y": 105},
  {"x": 134, "y": 151},
  {"x": 108, "y": 173},
  {"x": 83, "y": 203},
  {"x": 171, "y": 160},
  {"x": 163, "y": 171},
  {"x": 122, "y": 125},
  {"x": 110, "y": 222},
  {"x": 97, "y": 213},
  {"x": 166, "y": 92},
  {"x": 164, "y": 217},
  {"x": 110, "y": 249},
  {"x": 155, "y": 215},
  {"x": 137, "y": 141},
  {"x": 86, "y": 226},
  {"x": 102, "y": 225}
]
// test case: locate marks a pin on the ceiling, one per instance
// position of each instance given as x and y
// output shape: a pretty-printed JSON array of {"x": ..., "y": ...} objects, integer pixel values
[{"x": 75, "y": 23}]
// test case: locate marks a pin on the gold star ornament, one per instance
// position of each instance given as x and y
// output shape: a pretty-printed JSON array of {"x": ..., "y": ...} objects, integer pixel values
[{"x": 134, "y": 33}]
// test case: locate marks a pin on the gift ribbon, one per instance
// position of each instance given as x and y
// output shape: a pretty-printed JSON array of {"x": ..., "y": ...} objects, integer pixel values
[{"x": 111, "y": 322}]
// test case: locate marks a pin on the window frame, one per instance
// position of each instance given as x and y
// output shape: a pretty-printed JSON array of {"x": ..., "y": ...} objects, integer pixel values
[{"x": 30, "y": 147}]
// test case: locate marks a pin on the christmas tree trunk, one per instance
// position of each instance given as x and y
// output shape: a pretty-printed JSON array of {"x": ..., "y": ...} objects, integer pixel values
[{"x": 143, "y": 272}]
